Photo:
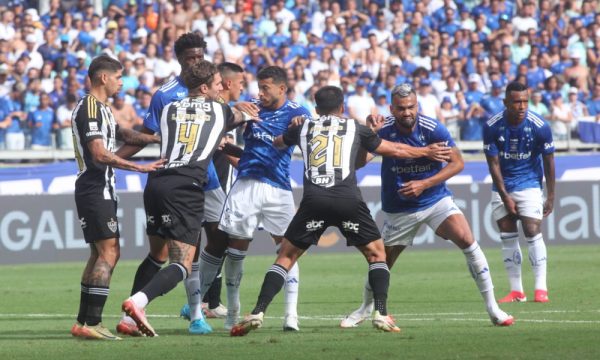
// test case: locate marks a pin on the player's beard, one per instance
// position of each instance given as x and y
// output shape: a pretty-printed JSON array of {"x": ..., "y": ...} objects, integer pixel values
[{"x": 406, "y": 122}]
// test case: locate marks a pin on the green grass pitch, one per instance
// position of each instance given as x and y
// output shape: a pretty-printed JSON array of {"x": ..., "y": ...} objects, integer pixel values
[{"x": 432, "y": 297}]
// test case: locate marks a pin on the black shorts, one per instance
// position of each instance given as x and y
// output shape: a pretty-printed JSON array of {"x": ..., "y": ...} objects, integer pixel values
[
  {"x": 351, "y": 216},
  {"x": 174, "y": 208},
  {"x": 97, "y": 217}
]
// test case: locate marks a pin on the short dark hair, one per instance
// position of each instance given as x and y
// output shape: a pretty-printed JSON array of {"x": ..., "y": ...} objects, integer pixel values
[
  {"x": 189, "y": 41},
  {"x": 329, "y": 99},
  {"x": 278, "y": 74},
  {"x": 515, "y": 86},
  {"x": 202, "y": 72},
  {"x": 103, "y": 63},
  {"x": 229, "y": 68}
]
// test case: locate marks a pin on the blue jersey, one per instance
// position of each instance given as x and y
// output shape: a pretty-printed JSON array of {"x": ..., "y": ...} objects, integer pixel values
[
  {"x": 260, "y": 159},
  {"x": 172, "y": 91},
  {"x": 519, "y": 149},
  {"x": 41, "y": 122},
  {"x": 395, "y": 172}
]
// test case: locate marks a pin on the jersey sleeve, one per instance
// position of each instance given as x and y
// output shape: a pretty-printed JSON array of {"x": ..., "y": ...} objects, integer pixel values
[
  {"x": 89, "y": 120},
  {"x": 545, "y": 141},
  {"x": 368, "y": 139},
  {"x": 152, "y": 118},
  {"x": 292, "y": 136},
  {"x": 228, "y": 116},
  {"x": 489, "y": 141},
  {"x": 441, "y": 134}
]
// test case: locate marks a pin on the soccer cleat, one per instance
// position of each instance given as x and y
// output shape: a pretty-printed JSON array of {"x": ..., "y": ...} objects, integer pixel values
[
  {"x": 125, "y": 327},
  {"x": 199, "y": 327},
  {"x": 216, "y": 313},
  {"x": 514, "y": 296},
  {"x": 249, "y": 323},
  {"x": 96, "y": 332},
  {"x": 231, "y": 319},
  {"x": 357, "y": 317},
  {"x": 185, "y": 312},
  {"x": 138, "y": 316},
  {"x": 500, "y": 318},
  {"x": 290, "y": 323},
  {"x": 385, "y": 323},
  {"x": 541, "y": 296}
]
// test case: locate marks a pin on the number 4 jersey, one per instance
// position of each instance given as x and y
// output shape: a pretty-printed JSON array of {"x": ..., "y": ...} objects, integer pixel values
[
  {"x": 329, "y": 147},
  {"x": 190, "y": 131}
]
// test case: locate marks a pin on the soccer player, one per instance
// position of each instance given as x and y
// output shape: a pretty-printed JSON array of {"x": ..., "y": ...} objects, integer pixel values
[
  {"x": 414, "y": 192},
  {"x": 95, "y": 132},
  {"x": 330, "y": 145},
  {"x": 262, "y": 193},
  {"x": 190, "y": 129},
  {"x": 516, "y": 142}
]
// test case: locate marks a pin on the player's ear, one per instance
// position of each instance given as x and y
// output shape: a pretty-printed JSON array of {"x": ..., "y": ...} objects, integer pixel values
[{"x": 204, "y": 88}]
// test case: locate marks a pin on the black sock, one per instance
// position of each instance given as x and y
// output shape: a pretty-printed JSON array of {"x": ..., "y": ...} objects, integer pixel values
[
  {"x": 164, "y": 281},
  {"x": 83, "y": 303},
  {"x": 145, "y": 272},
  {"x": 213, "y": 295},
  {"x": 379, "y": 279},
  {"x": 274, "y": 280},
  {"x": 96, "y": 299}
]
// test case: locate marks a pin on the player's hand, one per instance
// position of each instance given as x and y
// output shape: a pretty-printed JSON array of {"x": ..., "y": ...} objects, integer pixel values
[
  {"x": 297, "y": 121},
  {"x": 376, "y": 122},
  {"x": 511, "y": 206},
  {"x": 439, "y": 152},
  {"x": 412, "y": 189},
  {"x": 248, "y": 108},
  {"x": 548, "y": 207},
  {"x": 153, "y": 166}
]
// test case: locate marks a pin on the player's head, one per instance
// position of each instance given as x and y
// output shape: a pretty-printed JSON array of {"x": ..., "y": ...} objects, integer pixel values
[
  {"x": 202, "y": 78},
  {"x": 233, "y": 80},
  {"x": 404, "y": 105},
  {"x": 107, "y": 72},
  {"x": 516, "y": 100},
  {"x": 330, "y": 100},
  {"x": 272, "y": 86},
  {"x": 189, "y": 49}
]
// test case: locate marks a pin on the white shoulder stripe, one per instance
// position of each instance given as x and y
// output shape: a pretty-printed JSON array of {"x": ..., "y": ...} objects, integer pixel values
[
  {"x": 168, "y": 86},
  {"x": 494, "y": 119},
  {"x": 535, "y": 119}
]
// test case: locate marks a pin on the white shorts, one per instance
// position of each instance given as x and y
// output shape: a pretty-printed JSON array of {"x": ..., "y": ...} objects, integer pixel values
[
  {"x": 252, "y": 202},
  {"x": 213, "y": 204},
  {"x": 530, "y": 203},
  {"x": 401, "y": 228}
]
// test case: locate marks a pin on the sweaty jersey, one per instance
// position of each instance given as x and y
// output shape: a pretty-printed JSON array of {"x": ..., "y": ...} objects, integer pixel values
[
  {"x": 260, "y": 159},
  {"x": 91, "y": 120},
  {"x": 395, "y": 172},
  {"x": 519, "y": 149},
  {"x": 172, "y": 91},
  {"x": 329, "y": 147},
  {"x": 190, "y": 131}
]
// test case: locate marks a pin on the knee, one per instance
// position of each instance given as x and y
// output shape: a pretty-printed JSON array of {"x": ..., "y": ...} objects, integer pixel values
[{"x": 531, "y": 230}]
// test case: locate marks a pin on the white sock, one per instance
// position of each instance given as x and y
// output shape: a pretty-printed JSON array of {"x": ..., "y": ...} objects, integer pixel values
[
  {"x": 290, "y": 294},
  {"x": 538, "y": 257},
  {"x": 512, "y": 257},
  {"x": 140, "y": 299},
  {"x": 192, "y": 290},
  {"x": 480, "y": 271},
  {"x": 368, "y": 302},
  {"x": 209, "y": 266},
  {"x": 234, "y": 269}
]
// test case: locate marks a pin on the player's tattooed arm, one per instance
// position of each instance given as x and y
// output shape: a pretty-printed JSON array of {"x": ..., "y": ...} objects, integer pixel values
[
  {"x": 101, "y": 155},
  {"x": 240, "y": 117},
  {"x": 550, "y": 181},
  {"x": 128, "y": 150},
  {"x": 415, "y": 188},
  {"x": 136, "y": 138},
  {"x": 436, "y": 152},
  {"x": 498, "y": 180}
]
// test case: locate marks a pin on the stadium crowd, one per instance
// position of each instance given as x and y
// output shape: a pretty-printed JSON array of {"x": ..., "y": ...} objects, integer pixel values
[{"x": 459, "y": 54}]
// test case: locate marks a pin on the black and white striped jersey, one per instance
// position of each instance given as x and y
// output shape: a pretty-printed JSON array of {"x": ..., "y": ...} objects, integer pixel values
[
  {"x": 91, "y": 120},
  {"x": 329, "y": 147},
  {"x": 190, "y": 130}
]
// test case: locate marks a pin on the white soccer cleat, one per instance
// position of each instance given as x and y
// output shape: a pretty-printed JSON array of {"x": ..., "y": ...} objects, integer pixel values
[
  {"x": 290, "y": 323},
  {"x": 250, "y": 322},
  {"x": 385, "y": 323},
  {"x": 219, "y": 312},
  {"x": 500, "y": 318},
  {"x": 357, "y": 317},
  {"x": 231, "y": 319}
]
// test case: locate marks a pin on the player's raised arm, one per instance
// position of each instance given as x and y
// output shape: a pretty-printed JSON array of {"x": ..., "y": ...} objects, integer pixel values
[
  {"x": 137, "y": 138},
  {"x": 101, "y": 155},
  {"x": 437, "y": 151}
]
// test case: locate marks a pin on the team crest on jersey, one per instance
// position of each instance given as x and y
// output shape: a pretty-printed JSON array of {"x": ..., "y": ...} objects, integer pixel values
[
  {"x": 82, "y": 223},
  {"x": 112, "y": 225},
  {"x": 181, "y": 94},
  {"x": 93, "y": 126}
]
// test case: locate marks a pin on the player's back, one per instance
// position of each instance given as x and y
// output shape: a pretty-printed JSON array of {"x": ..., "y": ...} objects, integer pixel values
[
  {"x": 260, "y": 159},
  {"x": 396, "y": 172}
]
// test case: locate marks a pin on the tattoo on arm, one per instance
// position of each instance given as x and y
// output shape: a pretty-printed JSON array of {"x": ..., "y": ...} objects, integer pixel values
[{"x": 137, "y": 138}]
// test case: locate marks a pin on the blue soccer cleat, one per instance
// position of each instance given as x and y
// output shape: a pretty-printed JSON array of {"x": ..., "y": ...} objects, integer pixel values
[
  {"x": 185, "y": 312},
  {"x": 199, "y": 327}
]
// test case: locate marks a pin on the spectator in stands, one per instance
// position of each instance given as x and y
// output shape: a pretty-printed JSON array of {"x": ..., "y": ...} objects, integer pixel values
[
  {"x": 124, "y": 113},
  {"x": 361, "y": 103},
  {"x": 577, "y": 71},
  {"x": 593, "y": 104},
  {"x": 578, "y": 108},
  {"x": 42, "y": 122},
  {"x": 471, "y": 128},
  {"x": 561, "y": 118},
  {"x": 537, "y": 106},
  {"x": 450, "y": 116},
  {"x": 63, "y": 120}
]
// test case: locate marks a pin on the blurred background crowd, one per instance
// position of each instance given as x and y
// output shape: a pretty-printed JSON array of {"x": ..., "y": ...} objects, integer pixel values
[{"x": 458, "y": 54}]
